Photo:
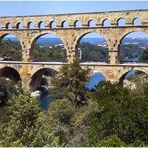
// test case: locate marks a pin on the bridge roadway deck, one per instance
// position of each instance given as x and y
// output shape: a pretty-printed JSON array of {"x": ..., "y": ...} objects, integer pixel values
[
  {"x": 112, "y": 72},
  {"x": 130, "y": 64}
]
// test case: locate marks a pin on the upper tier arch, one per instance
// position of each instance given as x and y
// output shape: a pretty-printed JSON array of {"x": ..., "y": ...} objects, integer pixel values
[{"x": 113, "y": 16}]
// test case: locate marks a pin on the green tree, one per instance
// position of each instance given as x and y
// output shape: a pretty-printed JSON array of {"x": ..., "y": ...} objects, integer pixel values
[
  {"x": 43, "y": 54},
  {"x": 70, "y": 84},
  {"x": 10, "y": 50},
  {"x": 26, "y": 124},
  {"x": 94, "y": 53},
  {"x": 121, "y": 114},
  {"x": 7, "y": 89},
  {"x": 112, "y": 141},
  {"x": 70, "y": 124}
]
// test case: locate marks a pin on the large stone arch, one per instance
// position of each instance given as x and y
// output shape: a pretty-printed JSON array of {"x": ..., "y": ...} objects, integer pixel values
[
  {"x": 92, "y": 68},
  {"x": 126, "y": 33},
  {"x": 124, "y": 72},
  {"x": 37, "y": 78},
  {"x": 10, "y": 73},
  {"x": 37, "y": 67},
  {"x": 36, "y": 36},
  {"x": 18, "y": 37},
  {"x": 83, "y": 33},
  {"x": 3, "y": 34}
]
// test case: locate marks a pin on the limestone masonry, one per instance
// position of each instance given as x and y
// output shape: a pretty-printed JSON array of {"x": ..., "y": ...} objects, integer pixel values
[{"x": 71, "y": 36}]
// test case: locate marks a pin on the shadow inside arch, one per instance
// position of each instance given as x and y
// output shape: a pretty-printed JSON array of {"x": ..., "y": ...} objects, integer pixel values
[
  {"x": 133, "y": 75},
  {"x": 10, "y": 74},
  {"x": 42, "y": 78}
]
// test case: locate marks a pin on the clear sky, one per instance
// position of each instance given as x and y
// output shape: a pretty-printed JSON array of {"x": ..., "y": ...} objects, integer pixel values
[{"x": 17, "y": 8}]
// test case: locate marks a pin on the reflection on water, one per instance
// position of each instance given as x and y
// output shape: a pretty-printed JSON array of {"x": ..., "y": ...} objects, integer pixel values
[
  {"x": 45, "y": 97},
  {"x": 45, "y": 101}
]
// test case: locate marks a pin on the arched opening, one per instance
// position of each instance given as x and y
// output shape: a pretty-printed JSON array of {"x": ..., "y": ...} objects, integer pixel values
[
  {"x": 53, "y": 24},
  {"x": 65, "y": 24},
  {"x": 121, "y": 22},
  {"x": 137, "y": 22},
  {"x": 8, "y": 26},
  {"x": 42, "y": 78},
  {"x": 94, "y": 80},
  {"x": 78, "y": 24},
  {"x": 48, "y": 48},
  {"x": 134, "y": 48},
  {"x": 106, "y": 23},
  {"x": 19, "y": 26},
  {"x": 132, "y": 78},
  {"x": 9, "y": 81},
  {"x": 30, "y": 25},
  {"x": 92, "y": 47},
  {"x": 10, "y": 74},
  {"x": 40, "y": 84},
  {"x": 10, "y": 48},
  {"x": 92, "y": 23},
  {"x": 41, "y": 25}
]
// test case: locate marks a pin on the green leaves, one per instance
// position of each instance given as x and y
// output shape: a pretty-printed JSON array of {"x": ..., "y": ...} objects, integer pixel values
[
  {"x": 94, "y": 53},
  {"x": 11, "y": 50},
  {"x": 112, "y": 141},
  {"x": 25, "y": 125},
  {"x": 70, "y": 84},
  {"x": 43, "y": 54},
  {"x": 123, "y": 115}
]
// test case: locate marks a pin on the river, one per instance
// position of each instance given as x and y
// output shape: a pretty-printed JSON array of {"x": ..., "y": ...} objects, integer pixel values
[{"x": 93, "y": 81}]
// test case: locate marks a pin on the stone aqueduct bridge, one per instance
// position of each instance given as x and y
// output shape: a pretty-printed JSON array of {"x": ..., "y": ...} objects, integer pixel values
[{"x": 71, "y": 36}]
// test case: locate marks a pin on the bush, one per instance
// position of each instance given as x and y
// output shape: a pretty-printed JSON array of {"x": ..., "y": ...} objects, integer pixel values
[
  {"x": 122, "y": 115},
  {"x": 26, "y": 124}
]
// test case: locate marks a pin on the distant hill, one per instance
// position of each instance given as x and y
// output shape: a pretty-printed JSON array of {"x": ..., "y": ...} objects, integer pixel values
[{"x": 54, "y": 41}]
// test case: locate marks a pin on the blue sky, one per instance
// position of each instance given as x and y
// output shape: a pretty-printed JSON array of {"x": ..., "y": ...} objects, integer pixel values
[{"x": 17, "y": 8}]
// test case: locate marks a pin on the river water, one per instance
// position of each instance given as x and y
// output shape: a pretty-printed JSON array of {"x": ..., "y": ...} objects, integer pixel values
[{"x": 93, "y": 81}]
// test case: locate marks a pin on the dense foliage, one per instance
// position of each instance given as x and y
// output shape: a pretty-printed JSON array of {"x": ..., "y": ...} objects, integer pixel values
[
  {"x": 109, "y": 115},
  {"x": 134, "y": 51},
  {"x": 93, "y": 53},
  {"x": 10, "y": 50},
  {"x": 7, "y": 89},
  {"x": 46, "y": 54},
  {"x": 70, "y": 84},
  {"x": 26, "y": 124},
  {"x": 122, "y": 114}
]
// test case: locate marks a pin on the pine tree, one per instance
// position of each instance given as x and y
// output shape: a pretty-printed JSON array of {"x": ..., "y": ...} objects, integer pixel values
[{"x": 70, "y": 84}]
